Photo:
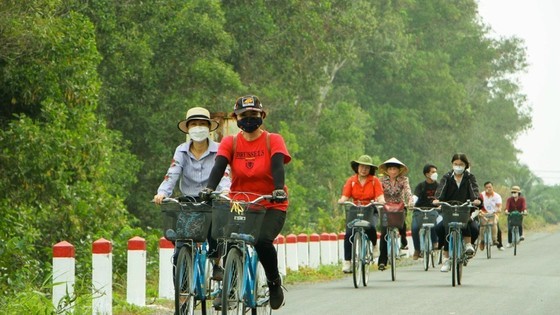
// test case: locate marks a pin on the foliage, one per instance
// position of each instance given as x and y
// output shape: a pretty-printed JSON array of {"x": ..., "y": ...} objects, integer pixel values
[{"x": 91, "y": 93}]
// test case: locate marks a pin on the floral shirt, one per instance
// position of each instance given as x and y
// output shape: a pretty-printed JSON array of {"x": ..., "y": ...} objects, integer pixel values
[{"x": 398, "y": 191}]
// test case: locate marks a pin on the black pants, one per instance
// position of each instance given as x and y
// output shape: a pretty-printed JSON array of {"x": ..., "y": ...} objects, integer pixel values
[
  {"x": 349, "y": 238},
  {"x": 470, "y": 230},
  {"x": 273, "y": 223}
]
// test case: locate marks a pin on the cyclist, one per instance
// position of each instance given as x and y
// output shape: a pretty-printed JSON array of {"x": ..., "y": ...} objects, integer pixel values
[
  {"x": 492, "y": 202},
  {"x": 423, "y": 197},
  {"x": 362, "y": 188},
  {"x": 396, "y": 189},
  {"x": 457, "y": 185},
  {"x": 257, "y": 160},
  {"x": 191, "y": 166},
  {"x": 515, "y": 203}
]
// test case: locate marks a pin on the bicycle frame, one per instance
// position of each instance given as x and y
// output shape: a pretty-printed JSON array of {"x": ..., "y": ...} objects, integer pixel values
[
  {"x": 393, "y": 249},
  {"x": 488, "y": 224},
  {"x": 425, "y": 235}
]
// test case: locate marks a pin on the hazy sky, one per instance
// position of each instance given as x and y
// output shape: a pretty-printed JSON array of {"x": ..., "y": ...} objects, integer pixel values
[{"x": 538, "y": 23}]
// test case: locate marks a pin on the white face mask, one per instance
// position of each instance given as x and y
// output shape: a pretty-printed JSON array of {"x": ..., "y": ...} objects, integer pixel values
[
  {"x": 199, "y": 133},
  {"x": 458, "y": 169},
  {"x": 433, "y": 177}
]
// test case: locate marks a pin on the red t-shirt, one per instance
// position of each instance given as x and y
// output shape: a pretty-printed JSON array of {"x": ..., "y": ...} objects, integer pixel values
[
  {"x": 250, "y": 167},
  {"x": 362, "y": 194}
]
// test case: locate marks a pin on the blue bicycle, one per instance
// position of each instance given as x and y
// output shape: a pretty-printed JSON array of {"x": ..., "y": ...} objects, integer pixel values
[
  {"x": 454, "y": 218},
  {"x": 486, "y": 225},
  {"x": 393, "y": 220},
  {"x": 515, "y": 220},
  {"x": 187, "y": 223},
  {"x": 426, "y": 219},
  {"x": 237, "y": 224},
  {"x": 358, "y": 218}
]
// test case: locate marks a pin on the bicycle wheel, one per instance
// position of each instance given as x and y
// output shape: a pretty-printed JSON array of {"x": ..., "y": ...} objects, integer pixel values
[
  {"x": 461, "y": 258},
  {"x": 426, "y": 250},
  {"x": 515, "y": 235},
  {"x": 488, "y": 241},
  {"x": 232, "y": 296},
  {"x": 393, "y": 254},
  {"x": 454, "y": 258},
  {"x": 356, "y": 259},
  {"x": 367, "y": 259},
  {"x": 184, "y": 299},
  {"x": 262, "y": 294}
]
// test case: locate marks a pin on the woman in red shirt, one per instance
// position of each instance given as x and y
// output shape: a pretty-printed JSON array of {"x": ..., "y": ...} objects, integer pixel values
[
  {"x": 515, "y": 203},
  {"x": 362, "y": 188}
]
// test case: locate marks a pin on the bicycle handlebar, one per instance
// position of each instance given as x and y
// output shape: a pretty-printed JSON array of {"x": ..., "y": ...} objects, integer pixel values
[
  {"x": 371, "y": 203},
  {"x": 254, "y": 201},
  {"x": 425, "y": 209},
  {"x": 467, "y": 203}
]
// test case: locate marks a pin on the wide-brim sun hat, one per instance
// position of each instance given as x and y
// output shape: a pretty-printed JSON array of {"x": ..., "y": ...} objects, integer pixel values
[
  {"x": 364, "y": 160},
  {"x": 248, "y": 102},
  {"x": 516, "y": 189},
  {"x": 197, "y": 113},
  {"x": 393, "y": 161}
]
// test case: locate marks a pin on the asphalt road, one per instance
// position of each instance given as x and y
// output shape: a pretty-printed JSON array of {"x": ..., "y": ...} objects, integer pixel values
[{"x": 528, "y": 283}]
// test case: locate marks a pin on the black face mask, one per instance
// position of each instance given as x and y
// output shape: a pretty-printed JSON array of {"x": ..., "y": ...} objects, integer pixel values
[{"x": 249, "y": 124}]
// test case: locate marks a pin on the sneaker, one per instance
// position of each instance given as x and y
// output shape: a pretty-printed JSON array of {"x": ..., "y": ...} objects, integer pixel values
[
  {"x": 496, "y": 243},
  {"x": 416, "y": 255},
  {"x": 469, "y": 250},
  {"x": 508, "y": 245},
  {"x": 276, "y": 293},
  {"x": 217, "y": 273},
  {"x": 501, "y": 248},
  {"x": 347, "y": 266},
  {"x": 404, "y": 247},
  {"x": 481, "y": 246},
  {"x": 522, "y": 238},
  {"x": 381, "y": 267},
  {"x": 446, "y": 265},
  {"x": 217, "y": 302}
]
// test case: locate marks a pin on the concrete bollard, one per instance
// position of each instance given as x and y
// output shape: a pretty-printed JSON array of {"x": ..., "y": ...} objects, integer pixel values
[
  {"x": 136, "y": 272},
  {"x": 291, "y": 252},
  {"x": 64, "y": 275},
  {"x": 280, "y": 242},
  {"x": 166, "y": 287},
  {"x": 333, "y": 238},
  {"x": 325, "y": 248},
  {"x": 102, "y": 281},
  {"x": 303, "y": 250},
  {"x": 314, "y": 250},
  {"x": 341, "y": 246}
]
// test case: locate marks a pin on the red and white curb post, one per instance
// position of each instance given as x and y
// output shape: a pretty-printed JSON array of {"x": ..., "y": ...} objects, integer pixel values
[
  {"x": 291, "y": 252},
  {"x": 64, "y": 273},
  {"x": 136, "y": 272},
  {"x": 280, "y": 242},
  {"x": 166, "y": 289},
  {"x": 102, "y": 272},
  {"x": 303, "y": 249},
  {"x": 314, "y": 250}
]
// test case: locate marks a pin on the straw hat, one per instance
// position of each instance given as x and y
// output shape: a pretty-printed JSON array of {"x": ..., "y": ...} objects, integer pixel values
[
  {"x": 393, "y": 161},
  {"x": 516, "y": 189},
  {"x": 364, "y": 160},
  {"x": 197, "y": 113}
]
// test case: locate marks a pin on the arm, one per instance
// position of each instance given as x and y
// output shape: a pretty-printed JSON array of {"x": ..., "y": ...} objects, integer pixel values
[
  {"x": 407, "y": 192},
  {"x": 174, "y": 171},
  {"x": 217, "y": 172},
  {"x": 277, "y": 170}
]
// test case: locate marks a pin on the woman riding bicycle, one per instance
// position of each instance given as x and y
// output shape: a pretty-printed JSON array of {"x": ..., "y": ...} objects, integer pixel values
[
  {"x": 257, "y": 159},
  {"x": 361, "y": 188},
  {"x": 191, "y": 166},
  {"x": 457, "y": 185},
  {"x": 515, "y": 203},
  {"x": 396, "y": 189}
]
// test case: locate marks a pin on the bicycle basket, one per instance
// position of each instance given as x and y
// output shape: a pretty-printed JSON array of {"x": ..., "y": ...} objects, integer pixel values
[
  {"x": 515, "y": 218},
  {"x": 361, "y": 213},
  {"x": 225, "y": 221},
  {"x": 392, "y": 219},
  {"x": 420, "y": 217},
  {"x": 189, "y": 221},
  {"x": 455, "y": 214}
]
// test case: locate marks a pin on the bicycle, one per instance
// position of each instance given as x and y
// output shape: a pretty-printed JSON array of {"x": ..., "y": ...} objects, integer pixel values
[
  {"x": 358, "y": 218},
  {"x": 515, "y": 219},
  {"x": 393, "y": 220},
  {"x": 187, "y": 224},
  {"x": 454, "y": 218},
  {"x": 426, "y": 220},
  {"x": 487, "y": 223},
  {"x": 237, "y": 223}
]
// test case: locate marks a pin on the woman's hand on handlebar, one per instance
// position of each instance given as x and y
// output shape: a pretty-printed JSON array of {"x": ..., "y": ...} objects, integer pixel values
[{"x": 158, "y": 199}]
